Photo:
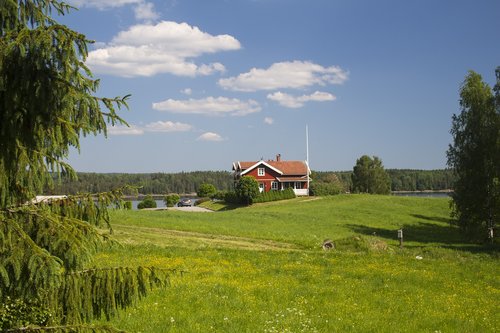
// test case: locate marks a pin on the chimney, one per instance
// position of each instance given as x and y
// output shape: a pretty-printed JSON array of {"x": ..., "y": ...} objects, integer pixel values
[{"x": 278, "y": 158}]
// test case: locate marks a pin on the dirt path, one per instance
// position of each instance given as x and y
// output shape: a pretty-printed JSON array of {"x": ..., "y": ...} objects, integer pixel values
[
  {"x": 184, "y": 209},
  {"x": 165, "y": 237}
]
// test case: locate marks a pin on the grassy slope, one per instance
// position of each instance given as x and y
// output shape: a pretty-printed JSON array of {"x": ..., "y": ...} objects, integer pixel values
[
  {"x": 261, "y": 269},
  {"x": 307, "y": 222}
]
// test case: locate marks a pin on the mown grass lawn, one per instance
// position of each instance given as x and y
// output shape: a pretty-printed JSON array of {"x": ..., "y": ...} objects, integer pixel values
[{"x": 262, "y": 269}]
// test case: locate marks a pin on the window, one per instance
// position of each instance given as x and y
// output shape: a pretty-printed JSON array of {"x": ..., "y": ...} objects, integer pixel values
[
  {"x": 261, "y": 171},
  {"x": 274, "y": 185},
  {"x": 298, "y": 185},
  {"x": 261, "y": 187}
]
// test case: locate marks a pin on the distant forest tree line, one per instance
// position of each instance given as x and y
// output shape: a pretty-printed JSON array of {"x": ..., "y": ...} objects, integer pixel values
[
  {"x": 401, "y": 179},
  {"x": 189, "y": 182}
]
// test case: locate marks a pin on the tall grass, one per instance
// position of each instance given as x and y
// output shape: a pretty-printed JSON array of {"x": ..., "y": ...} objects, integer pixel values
[{"x": 262, "y": 269}]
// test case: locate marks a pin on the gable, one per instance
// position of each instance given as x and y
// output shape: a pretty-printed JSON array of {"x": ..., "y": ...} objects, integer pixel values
[
  {"x": 256, "y": 165},
  {"x": 283, "y": 168}
]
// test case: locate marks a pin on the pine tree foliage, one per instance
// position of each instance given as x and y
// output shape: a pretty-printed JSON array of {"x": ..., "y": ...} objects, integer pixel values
[
  {"x": 46, "y": 95},
  {"x": 44, "y": 249},
  {"x": 47, "y": 101}
]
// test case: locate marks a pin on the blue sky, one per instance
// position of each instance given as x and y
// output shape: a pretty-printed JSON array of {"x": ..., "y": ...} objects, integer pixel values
[{"x": 217, "y": 81}]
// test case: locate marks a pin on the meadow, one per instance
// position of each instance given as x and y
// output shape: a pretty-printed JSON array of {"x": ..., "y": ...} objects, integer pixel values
[{"x": 262, "y": 268}]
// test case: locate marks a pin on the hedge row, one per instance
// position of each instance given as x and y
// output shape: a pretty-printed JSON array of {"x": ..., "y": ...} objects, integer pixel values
[{"x": 275, "y": 196}]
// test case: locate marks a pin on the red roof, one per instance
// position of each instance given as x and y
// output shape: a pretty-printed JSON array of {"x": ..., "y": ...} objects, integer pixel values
[{"x": 286, "y": 167}]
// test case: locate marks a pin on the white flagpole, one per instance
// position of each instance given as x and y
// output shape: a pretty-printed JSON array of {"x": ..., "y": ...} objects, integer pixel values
[{"x": 307, "y": 157}]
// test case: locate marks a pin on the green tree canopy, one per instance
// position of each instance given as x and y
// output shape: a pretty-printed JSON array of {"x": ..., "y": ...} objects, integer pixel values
[
  {"x": 206, "y": 190},
  {"x": 369, "y": 176},
  {"x": 171, "y": 200},
  {"x": 47, "y": 101},
  {"x": 247, "y": 189},
  {"x": 474, "y": 156},
  {"x": 147, "y": 202}
]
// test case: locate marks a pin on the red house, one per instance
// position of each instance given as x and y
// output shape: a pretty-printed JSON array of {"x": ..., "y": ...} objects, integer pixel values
[{"x": 276, "y": 175}]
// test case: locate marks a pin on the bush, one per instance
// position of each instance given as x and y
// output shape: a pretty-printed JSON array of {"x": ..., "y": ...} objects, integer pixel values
[
  {"x": 219, "y": 195},
  {"x": 247, "y": 189},
  {"x": 275, "y": 196},
  {"x": 19, "y": 313},
  {"x": 206, "y": 190},
  {"x": 201, "y": 200},
  {"x": 232, "y": 197},
  {"x": 147, "y": 202},
  {"x": 171, "y": 199},
  {"x": 322, "y": 188},
  {"x": 127, "y": 205}
]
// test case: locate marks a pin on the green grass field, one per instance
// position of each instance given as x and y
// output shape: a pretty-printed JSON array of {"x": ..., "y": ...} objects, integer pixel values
[{"x": 262, "y": 268}]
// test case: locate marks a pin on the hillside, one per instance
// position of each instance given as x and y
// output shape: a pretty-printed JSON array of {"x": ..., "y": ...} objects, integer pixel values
[{"x": 262, "y": 268}]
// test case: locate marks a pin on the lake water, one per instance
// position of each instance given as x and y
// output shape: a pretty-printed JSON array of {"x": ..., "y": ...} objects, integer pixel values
[{"x": 159, "y": 202}]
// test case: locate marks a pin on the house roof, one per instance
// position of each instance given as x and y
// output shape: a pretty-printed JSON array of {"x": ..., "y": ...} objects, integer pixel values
[
  {"x": 282, "y": 167},
  {"x": 256, "y": 164}
]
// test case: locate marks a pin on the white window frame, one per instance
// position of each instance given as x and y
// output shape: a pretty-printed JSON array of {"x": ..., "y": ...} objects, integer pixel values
[
  {"x": 274, "y": 186},
  {"x": 261, "y": 172},
  {"x": 261, "y": 187}
]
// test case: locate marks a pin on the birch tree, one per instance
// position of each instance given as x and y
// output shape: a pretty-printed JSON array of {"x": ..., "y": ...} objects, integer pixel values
[{"x": 474, "y": 157}]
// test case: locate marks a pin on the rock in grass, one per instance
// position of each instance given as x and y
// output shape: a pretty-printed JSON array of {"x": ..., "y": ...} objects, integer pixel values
[{"x": 328, "y": 244}]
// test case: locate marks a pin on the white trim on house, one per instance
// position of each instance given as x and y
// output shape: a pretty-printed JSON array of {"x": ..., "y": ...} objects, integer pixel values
[
  {"x": 259, "y": 163},
  {"x": 301, "y": 192}
]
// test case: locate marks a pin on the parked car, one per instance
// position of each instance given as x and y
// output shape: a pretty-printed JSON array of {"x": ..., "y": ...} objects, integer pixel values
[{"x": 185, "y": 203}]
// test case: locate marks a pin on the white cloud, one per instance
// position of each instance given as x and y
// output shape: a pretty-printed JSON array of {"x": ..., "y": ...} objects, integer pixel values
[
  {"x": 144, "y": 11},
  {"x": 294, "y": 74},
  {"x": 166, "y": 47},
  {"x": 210, "y": 136},
  {"x": 159, "y": 126},
  {"x": 124, "y": 130},
  {"x": 167, "y": 126},
  {"x": 187, "y": 91},
  {"x": 291, "y": 101},
  {"x": 212, "y": 106},
  {"x": 268, "y": 120},
  {"x": 103, "y": 4}
]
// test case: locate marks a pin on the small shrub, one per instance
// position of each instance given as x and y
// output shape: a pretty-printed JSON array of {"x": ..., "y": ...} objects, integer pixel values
[
  {"x": 247, "y": 189},
  {"x": 127, "y": 205},
  {"x": 206, "y": 190},
  {"x": 171, "y": 200},
  {"x": 323, "y": 189},
  {"x": 21, "y": 313},
  {"x": 147, "y": 202},
  {"x": 201, "y": 200},
  {"x": 219, "y": 195},
  {"x": 232, "y": 197},
  {"x": 275, "y": 196}
]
